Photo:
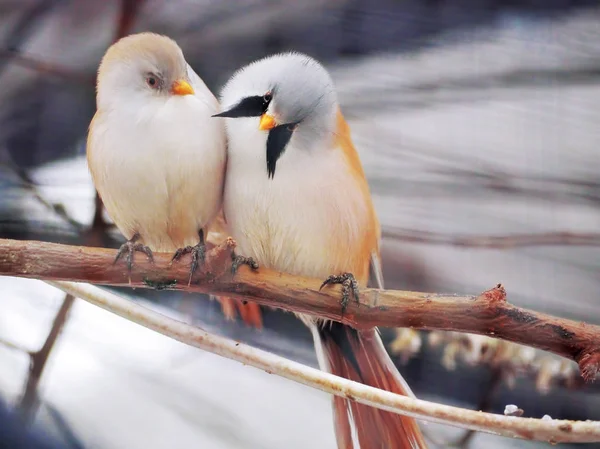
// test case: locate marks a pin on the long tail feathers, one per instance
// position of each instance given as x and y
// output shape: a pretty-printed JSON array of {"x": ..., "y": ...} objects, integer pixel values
[
  {"x": 251, "y": 313},
  {"x": 361, "y": 356}
]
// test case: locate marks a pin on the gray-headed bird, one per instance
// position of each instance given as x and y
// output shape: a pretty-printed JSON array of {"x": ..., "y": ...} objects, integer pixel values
[{"x": 297, "y": 200}]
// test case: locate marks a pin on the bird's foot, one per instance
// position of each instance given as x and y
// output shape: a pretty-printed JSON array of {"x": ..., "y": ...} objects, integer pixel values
[
  {"x": 198, "y": 253},
  {"x": 242, "y": 260},
  {"x": 129, "y": 248},
  {"x": 349, "y": 285}
]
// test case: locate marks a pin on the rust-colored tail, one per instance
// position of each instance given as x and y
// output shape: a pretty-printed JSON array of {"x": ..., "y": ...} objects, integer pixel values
[
  {"x": 251, "y": 313},
  {"x": 361, "y": 356}
]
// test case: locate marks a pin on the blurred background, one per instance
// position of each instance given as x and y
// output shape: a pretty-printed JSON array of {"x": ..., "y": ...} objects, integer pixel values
[{"x": 478, "y": 124}]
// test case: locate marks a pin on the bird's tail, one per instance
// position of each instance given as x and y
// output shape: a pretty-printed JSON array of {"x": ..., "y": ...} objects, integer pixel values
[
  {"x": 361, "y": 356},
  {"x": 250, "y": 313}
]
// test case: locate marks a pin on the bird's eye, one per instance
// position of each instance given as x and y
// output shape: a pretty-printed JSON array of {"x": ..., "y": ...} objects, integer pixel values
[
  {"x": 267, "y": 97},
  {"x": 152, "y": 81}
]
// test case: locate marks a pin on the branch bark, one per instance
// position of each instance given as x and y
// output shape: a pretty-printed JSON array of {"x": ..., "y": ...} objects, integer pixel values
[
  {"x": 553, "y": 431},
  {"x": 486, "y": 314}
]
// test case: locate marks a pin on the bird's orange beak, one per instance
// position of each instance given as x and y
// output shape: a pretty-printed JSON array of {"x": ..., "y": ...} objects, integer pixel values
[
  {"x": 182, "y": 87},
  {"x": 267, "y": 122}
]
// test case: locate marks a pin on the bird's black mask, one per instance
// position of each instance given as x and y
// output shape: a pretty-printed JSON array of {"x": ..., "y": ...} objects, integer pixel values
[{"x": 279, "y": 136}]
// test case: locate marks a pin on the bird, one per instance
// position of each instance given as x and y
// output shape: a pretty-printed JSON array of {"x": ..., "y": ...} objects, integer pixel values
[
  {"x": 297, "y": 200},
  {"x": 156, "y": 157}
]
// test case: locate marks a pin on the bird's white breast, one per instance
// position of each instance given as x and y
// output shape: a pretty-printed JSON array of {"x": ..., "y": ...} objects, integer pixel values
[
  {"x": 159, "y": 170},
  {"x": 306, "y": 220}
]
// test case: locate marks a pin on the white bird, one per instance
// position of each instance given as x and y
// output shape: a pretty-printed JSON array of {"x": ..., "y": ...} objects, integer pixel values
[
  {"x": 297, "y": 200},
  {"x": 156, "y": 156}
]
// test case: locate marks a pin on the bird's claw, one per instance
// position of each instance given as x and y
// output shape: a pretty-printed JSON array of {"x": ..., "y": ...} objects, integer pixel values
[
  {"x": 130, "y": 247},
  {"x": 198, "y": 253},
  {"x": 238, "y": 261},
  {"x": 349, "y": 285}
]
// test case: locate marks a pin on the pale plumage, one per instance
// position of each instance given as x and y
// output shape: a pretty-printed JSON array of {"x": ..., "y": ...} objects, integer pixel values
[
  {"x": 296, "y": 199},
  {"x": 156, "y": 156}
]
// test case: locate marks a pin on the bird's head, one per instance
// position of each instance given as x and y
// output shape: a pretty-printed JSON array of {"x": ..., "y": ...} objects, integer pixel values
[
  {"x": 280, "y": 101},
  {"x": 142, "y": 67}
]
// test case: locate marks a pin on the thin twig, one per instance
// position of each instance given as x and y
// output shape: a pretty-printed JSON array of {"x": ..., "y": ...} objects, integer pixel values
[
  {"x": 13, "y": 346},
  {"x": 527, "y": 428},
  {"x": 26, "y": 26},
  {"x": 486, "y": 314},
  {"x": 129, "y": 10},
  {"x": 485, "y": 403},
  {"x": 46, "y": 68},
  {"x": 30, "y": 400},
  {"x": 495, "y": 241},
  {"x": 33, "y": 188}
]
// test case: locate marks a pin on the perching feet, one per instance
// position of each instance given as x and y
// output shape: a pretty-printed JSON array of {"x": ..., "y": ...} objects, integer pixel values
[
  {"x": 130, "y": 247},
  {"x": 198, "y": 253},
  {"x": 349, "y": 285},
  {"x": 242, "y": 260}
]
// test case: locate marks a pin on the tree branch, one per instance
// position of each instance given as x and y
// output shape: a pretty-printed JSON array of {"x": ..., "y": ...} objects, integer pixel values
[
  {"x": 487, "y": 314},
  {"x": 494, "y": 241},
  {"x": 527, "y": 428},
  {"x": 46, "y": 68},
  {"x": 14, "y": 346},
  {"x": 30, "y": 400}
]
